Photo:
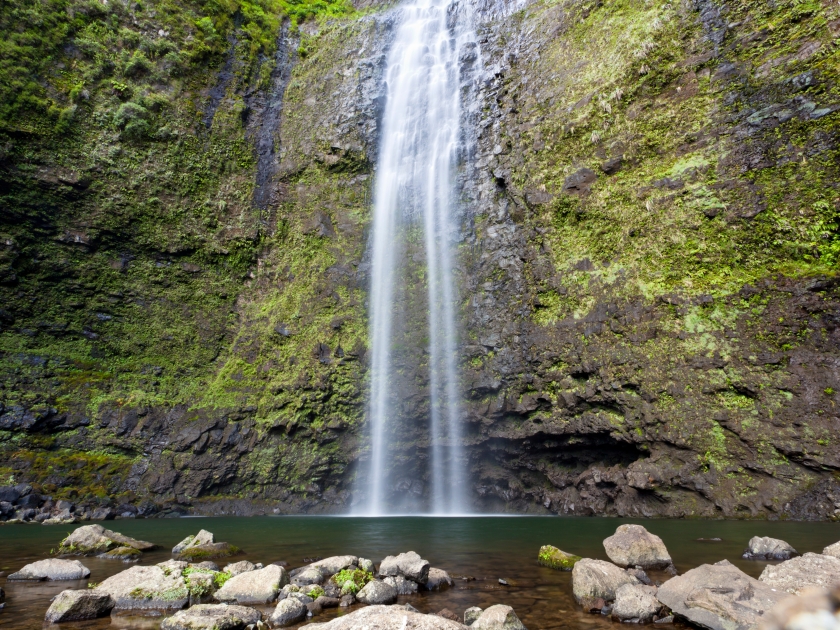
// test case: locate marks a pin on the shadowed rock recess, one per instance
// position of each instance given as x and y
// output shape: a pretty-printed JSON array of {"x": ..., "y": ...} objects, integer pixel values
[{"x": 649, "y": 242}]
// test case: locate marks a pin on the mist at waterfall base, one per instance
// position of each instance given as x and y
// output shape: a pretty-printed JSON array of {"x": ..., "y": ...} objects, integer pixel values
[{"x": 415, "y": 203}]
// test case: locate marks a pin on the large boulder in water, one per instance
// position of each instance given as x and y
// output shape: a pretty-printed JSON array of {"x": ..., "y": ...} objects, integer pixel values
[
  {"x": 498, "y": 617},
  {"x": 597, "y": 579},
  {"x": 634, "y": 546},
  {"x": 438, "y": 580},
  {"x": 288, "y": 611},
  {"x": 376, "y": 592},
  {"x": 553, "y": 558},
  {"x": 52, "y": 569},
  {"x": 94, "y": 540},
  {"x": 160, "y": 587},
  {"x": 766, "y": 548},
  {"x": 636, "y": 604},
  {"x": 202, "y": 546},
  {"x": 719, "y": 596},
  {"x": 387, "y": 618},
  {"x": 212, "y": 617},
  {"x": 797, "y": 574},
  {"x": 79, "y": 605},
  {"x": 409, "y": 565},
  {"x": 260, "y": 586}
]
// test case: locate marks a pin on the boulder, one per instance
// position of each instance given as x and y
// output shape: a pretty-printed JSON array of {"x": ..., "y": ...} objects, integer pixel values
[
  {"x": 202, "y": 538},
  {"x": 719, "y": 596},
  {"x": 401, "y": 585},
  {"x": 126, "y": 554},
  {"x": 796, "y": 574},
  {"x": 498, "y": 617},
  {"x": 147, "y": 588},
  {"x": 387, "y": 618},
  {"x": 212, "y": 617},
  {"x": 438, "y": 580},
  {"x": 553, "y": 558},
  {"x": 203, "y": 546},
  {"x": 260, "y": 586},
  {"x": 832, "y": 550},
  {"x": 766, "y": 548},
  {"x": 91, "y": 540},
  {"x": 52, "y": 569},
  {"x": 288, "y": 612},
  {"x": 471, "y": 614},
  {"x": 210, "y": 566},
  {"x": 409, "y": 565},
  {"x": 594, "y": 579},
  {"x": 813, "y": 609},
  {"x": 327, "y": 602},
  {"x": 377, "y": 592},
  {"x": 334, "y": 564},
  {"x": 242, "y": 566},
  {"x": 636, "y": 604},
  {"x": 79, "y": 605},
  {"x": 634, "y": 546},
  {"x": 366, "y": 565},
  {"x": 309, "y": 575}
]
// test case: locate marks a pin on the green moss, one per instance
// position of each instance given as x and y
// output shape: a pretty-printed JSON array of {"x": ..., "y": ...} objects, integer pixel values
[
  {"x": 554, "y": 558},
  {"x": 357, "y": 579}
]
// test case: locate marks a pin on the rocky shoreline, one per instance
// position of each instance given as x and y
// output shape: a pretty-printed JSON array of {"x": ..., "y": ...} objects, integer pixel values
[{"x": 639, "y": 584}]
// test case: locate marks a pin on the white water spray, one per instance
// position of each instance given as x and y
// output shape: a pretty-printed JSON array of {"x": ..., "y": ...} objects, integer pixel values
[{"x": 416, "y": 187}]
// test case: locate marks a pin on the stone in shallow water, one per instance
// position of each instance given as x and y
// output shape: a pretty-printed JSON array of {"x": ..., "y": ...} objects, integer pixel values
[
  {"x": 471, "y": 614},
  {"x": 438, "y": 580},
  {"x": 126, "y": 554},
  {"x": 95, "y": 539},
  {"x": 554, "y": 558},
  {"x": 498, "y": 617},
  {"x": 597, "y": 579},
  {"x": 212, "y": 617},
  {"x": 401, "y": 585},
  {"x": 719, "y": 596},
  {"x": 260, "y": 586},
  {"x": 387, "y": 618},
  {"x": 287, "y": 612},
  {"x": 377, "y": 592},
  {"x": 78, "y": 606},
  {"x": 52, "y": 569},
  {"x": 797, "y": 574},
  {"x": 636, "y": 603},
  {"x": 147, "y": 588},
  {"x": 410, "y": 565},
  {"x": 766, "y": 548},
  {"x": 634, "y": 546}
]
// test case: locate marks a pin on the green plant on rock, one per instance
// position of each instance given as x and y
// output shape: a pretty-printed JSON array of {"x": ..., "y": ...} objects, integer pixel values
[
  {"x": 554, "y": 558},
  {"x": 356, "y": 578}
]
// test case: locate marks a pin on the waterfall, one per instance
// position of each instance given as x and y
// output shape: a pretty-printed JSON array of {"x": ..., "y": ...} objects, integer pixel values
[{"x": 416, "y": 191}]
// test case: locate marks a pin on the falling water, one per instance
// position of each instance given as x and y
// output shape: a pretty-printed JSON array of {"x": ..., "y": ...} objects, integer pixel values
[{"x": 416, "y": 188}]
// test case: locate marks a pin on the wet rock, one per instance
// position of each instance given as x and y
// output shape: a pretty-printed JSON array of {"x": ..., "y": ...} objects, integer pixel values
[
  {"x": 387, "y": 618},
  {"x": 471, "y": 614},
  {"x": 377, "y": 592},
  {"x": 212, "y": 617},
  {"x": 598, "y": 579},
  {"x": 327, "y": 602},
  {"x": 593, "y": 605},
  {"x": 634, "y": 546},
  {"x": 448, "y": 614},
  {"x": 832, "y": 550},
  {"x": 126, "y": 554},
  {"x": 52, "y": 569},
  {"x": 409, "y": 565},
  {"x": 766, "y": 548},
  {"x": 147, "y": 588},
  {"x": 260, "y": 586},
  {"x": 79, "y": 605},
  {"x": 95, "y": 539},
  {"x": 498, "y": 617},
  {"x": 309, "y": 575},
  {"x": 288, "y": 612},
  {"x": 797, "y": 574},
  {"x": 347, "y": 600},
  {"x": 202, "y": 538},
  {"x": 636, "y": 604},
  {"x": 553, "y": 558},
  {"x": 243, "y": 566},
  {"x": 401, "y": 585},
  {"x": 718, "y": 596},
  {"x": 438, "y": 580}
]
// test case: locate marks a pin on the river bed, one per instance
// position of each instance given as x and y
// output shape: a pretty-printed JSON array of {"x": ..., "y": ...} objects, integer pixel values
[{"x": 485, "y": 548}]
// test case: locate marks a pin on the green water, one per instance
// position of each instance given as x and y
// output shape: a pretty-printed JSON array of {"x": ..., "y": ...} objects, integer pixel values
[{"x": 484, "y": 548}]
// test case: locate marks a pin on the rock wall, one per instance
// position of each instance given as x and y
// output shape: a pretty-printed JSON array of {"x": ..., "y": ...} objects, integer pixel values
[{"x": 648, "y": 267}]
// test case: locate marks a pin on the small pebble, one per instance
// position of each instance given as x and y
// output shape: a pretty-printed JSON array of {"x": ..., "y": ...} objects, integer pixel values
[{"x": 503, "y": 582}]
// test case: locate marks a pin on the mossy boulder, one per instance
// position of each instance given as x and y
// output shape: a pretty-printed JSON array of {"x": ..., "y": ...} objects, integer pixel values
[
  {"x": 126, "y": 554},
  {"x": 554, "y": 558},
  {"x": 92, "y": 540}
]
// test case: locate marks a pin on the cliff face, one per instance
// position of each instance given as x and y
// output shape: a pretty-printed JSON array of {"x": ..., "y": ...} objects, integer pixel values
[{"x": 648, "y": 258}]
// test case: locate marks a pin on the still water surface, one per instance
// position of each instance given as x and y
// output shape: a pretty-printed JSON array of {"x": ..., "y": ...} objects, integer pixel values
[{"x": 485, "y": 548}]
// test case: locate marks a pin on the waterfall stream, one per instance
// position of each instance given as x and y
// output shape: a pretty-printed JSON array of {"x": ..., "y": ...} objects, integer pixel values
[{"x": 416, "y": 193}]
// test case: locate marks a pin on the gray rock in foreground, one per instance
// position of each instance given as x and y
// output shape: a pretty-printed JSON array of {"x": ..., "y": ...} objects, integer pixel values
[
  {"x": 147, "y": 588},
  {"x": 498, "y": 617},
  {"x": 287, "y": 612},
  {"x": 635, "y": 603},
  {"x": 260, "y": 586},
  {"x": 52, "y": 569},
  {"x": 387, "y": 618},
  {"x": 797, "y": 574},
  {"x": 813, "y": 609},
  {"x": 766, "y": 548},
  {"x": 78, "y": 606},
  {"x": 212, "y": 617},
  {"x": 634, "y": 546},
  {"x": 410, "y": 565},
  {"x": 719, "y": 596},
  {"x": 377, "y": 592},
  {"x": 594, "y": 579},
  {"x": 471, "y": 614},
  {"x": 832, "y": 550}
]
